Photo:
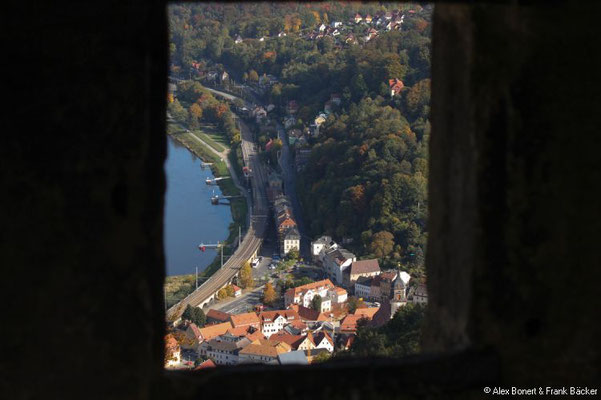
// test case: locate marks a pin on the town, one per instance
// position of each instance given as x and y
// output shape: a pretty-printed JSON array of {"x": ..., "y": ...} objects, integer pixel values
[
  {"x": 290, "y": 298},
  {"x": 315, "y": 320}
]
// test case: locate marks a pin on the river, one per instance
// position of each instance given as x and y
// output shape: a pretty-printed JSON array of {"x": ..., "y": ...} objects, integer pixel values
[{"x": 189, "y": 216}]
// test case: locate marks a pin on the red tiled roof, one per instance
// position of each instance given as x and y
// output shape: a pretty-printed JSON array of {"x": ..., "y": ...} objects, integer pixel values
[
  {"x": 366, "y": 312},
  {"x": 271, "y": 315},
  {"x": 195, "y": 329},
  {"x": 245, "y": 319},
  {"x": 321, "y": 335},
  {"x": 309, "y": 314},
  {"x": 364, "y": 267},
  {"x": 218, "y": 315},
  {"x": 294, "y": 291},
  {"x": 211, "y": 331},
  {"x": 206, "y": 364},
  {"x": 292, "y": 340}
]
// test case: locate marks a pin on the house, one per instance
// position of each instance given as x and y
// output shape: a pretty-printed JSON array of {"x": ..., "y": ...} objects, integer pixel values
[
  {"x": 246, "y": 331},
  {"x": 224, "y": 350},
  {"x": 274, "y": 321},
  {"x": 274, "y": 186},
  {"x": 338, "y": 295},
  {"x": 361, "y": 268},
  {"x": 262, "y": 39},
  {"x": 307, "y": 314},
  {"x": 191, "y": 337},
  {"x": 224, "y": 77},
  {"x": 358, "y": 18},
  {"x": 212, "y": 76},
  {"x": 368, "y": 19},
  {"x": 383, "y": 315},
  {"x": 238, "y": 39},
  {"x": 237, "y": 291},
  {"x": 172, "y": 352},
  {"x": 321, "y": 244},
  {"x": 212, "y": 331},
  {"x": 281, "y": 34},
  {"x": 263, "y": 351},
  {"x": 303, "y": 295},
  {"x": 363, "y": 287},
  {"x": 349, "y": 323},
  {"x": 217, "y": 317},
  {"x": 395, "y": 85},
  {"x": 245, "y": 320},
  {"x": 335, "y": 32},
  {"x": 328, "y": 106},
  {"x": 419, "y": 294},
  {"x": 385, "y": 283},
  {"x": 307, "y": 343},
  {"x": 367, "y": 312},
  {"x": 292, "y": 340},
  {"x": 291, "y": 240},
  {"x": 336, "y": 24},
  {"x": 350, "y": 39},
  {"x": 323, "y": 340},
  {"x": 293, "y": 358},
  {"x": 270, "y": 108},
  {"x": 336, "y": 261},
  {"x": 322, "y": 27},
  {"x": 206, "y": 364}
]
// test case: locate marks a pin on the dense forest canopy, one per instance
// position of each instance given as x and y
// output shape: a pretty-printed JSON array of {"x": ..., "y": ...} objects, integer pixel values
[{"x": 366, "y": 179}]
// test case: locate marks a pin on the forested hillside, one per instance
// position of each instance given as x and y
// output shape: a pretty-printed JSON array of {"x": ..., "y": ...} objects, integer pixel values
[{"x": 366, "y": 178}]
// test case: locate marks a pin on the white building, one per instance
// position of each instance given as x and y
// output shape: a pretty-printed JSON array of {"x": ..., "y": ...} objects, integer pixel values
[
  {"x": 224, "y": 349},
  {"x": 336, "y": 261},
  {"x": 363, "y": 287},
  {"x": 274, "y": 321},
  {"x": 320, "y": 245},
  {"x": 304, "y": 294},
  {"x": 291, "y": 240}
]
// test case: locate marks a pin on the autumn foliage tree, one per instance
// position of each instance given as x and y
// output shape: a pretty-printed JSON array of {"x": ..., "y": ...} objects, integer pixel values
[
  {"x": 269, "y": 294},
  {"x": 382, "y": 244},
  {"x": 246, "y": 276}
]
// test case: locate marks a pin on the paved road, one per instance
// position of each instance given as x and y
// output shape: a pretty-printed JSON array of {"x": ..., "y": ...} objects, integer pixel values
[{"x": 289, "y": 177}]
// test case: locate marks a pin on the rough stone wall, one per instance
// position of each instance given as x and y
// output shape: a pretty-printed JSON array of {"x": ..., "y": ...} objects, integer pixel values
[
  {"x": 513, "y": 260},
  {"x": 82, "y": 183}
]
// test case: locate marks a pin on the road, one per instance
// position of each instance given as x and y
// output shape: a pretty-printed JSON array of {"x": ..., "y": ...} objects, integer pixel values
[
  {"x": 252, "y": 239},
  {"x": 289, "y": 177}
]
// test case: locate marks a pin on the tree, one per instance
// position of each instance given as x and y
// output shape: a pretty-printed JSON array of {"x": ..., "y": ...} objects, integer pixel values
[
  {"x": 222, "y": 294},
  {"x": 316, "y": 302},
  {"x": 229, "y": 289},
  {"x": 292, "y": 255},
  {"x": 177, "y": 111},
  {"x": 353, "y": 303},
  {"x": 269, "y": 294},
  {"x": 321, "y": 357},
  {"x": 246, "y": 276},
  {"x": 195, "y": 315},
  {"x": 382, "y": 244},
  {"x": 253, "y": 76}
]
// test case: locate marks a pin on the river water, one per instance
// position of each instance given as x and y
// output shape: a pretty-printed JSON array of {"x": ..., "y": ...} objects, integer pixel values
[{"x": 189, "y": 216}]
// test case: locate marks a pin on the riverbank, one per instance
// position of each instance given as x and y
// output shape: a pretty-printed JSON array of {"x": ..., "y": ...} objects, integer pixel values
[{"x": 180, "y": 285}]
